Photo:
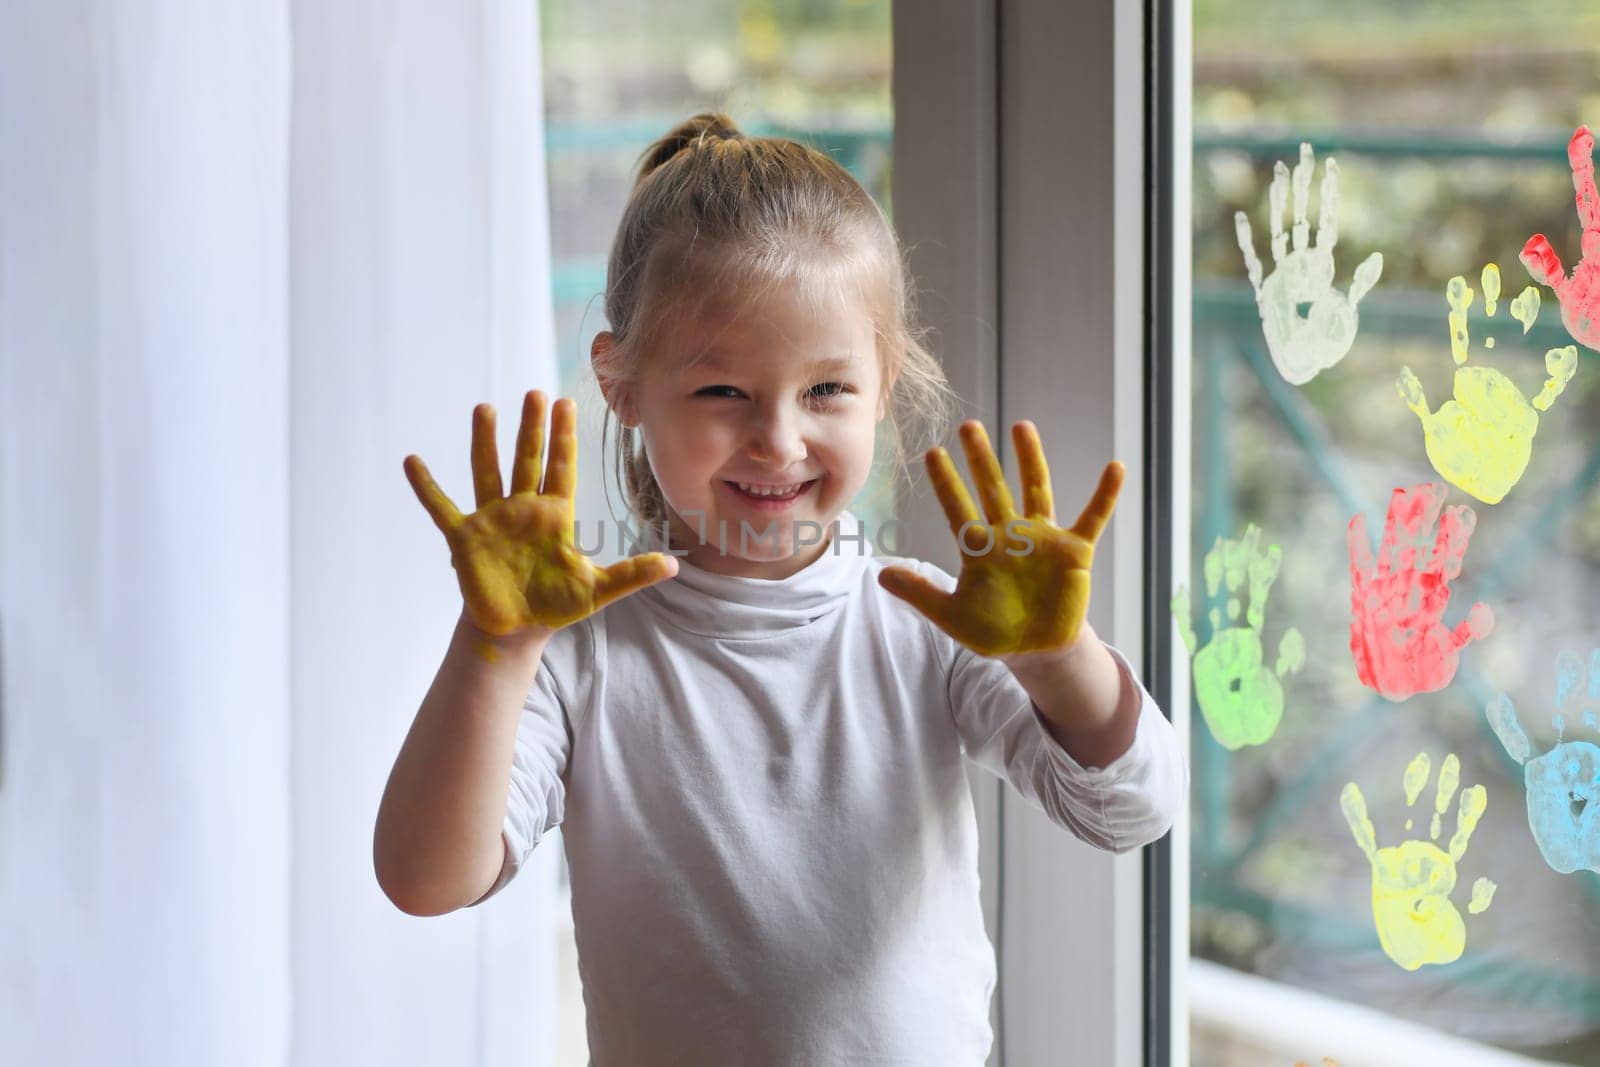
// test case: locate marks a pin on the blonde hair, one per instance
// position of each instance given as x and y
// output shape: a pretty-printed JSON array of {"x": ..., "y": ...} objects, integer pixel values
[{"x": 715, "y": 212}]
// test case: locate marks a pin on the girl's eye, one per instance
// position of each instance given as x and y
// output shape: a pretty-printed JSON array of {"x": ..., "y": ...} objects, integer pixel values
[{"x": 821, "y": 391}]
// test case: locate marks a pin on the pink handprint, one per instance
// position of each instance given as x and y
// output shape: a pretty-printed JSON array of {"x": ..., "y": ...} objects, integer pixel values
[
  {"x": 1400, "y": 645},
  {"x": 1580, "y": 294}
]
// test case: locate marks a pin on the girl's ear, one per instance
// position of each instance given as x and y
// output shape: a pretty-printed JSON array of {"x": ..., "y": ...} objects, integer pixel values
[{"x": 619, "y": 398}]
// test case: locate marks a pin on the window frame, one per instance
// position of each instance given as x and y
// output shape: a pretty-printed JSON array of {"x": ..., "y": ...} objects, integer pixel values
[{"x": 1004, "y": 215}]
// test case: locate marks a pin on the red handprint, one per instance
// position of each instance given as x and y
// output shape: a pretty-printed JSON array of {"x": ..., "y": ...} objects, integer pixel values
[
  {"x": 1580, "y": 294},
  {"x": 1399, "y": 643}
]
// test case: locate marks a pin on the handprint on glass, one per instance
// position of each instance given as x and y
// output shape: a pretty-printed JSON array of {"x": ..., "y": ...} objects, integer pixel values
[
  {"x": 1579, "y": 295},
  {"x": 1564, "y": 783},
  {"x": 1412, "y": 882},
  {"x": 1239, "y": 696},
  {"x": 1481, "y": 441},
  {"x": 1303, "y": 344},
  {"x": 1397, "y": 634}
]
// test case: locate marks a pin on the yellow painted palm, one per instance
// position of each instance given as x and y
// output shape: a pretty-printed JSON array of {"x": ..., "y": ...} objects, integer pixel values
[
  {"x": 1024, "y": 582},
  {"x": 515, "y": 556}
]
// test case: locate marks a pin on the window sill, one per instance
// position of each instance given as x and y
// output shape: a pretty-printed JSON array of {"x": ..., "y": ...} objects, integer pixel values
[{"x": 1295, "y": 1024}]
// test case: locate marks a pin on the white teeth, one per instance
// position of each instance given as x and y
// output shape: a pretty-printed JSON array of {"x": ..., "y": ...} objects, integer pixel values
[{"x": 755, "y": 490}]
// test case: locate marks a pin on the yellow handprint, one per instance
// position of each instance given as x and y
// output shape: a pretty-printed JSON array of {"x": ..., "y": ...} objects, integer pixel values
[
  {"x": 515, "y": 559},
  {"x": 1412, "y": 882},
  {"x": 1481, "y": 441},
  {"x": 1024, "y": 583}
]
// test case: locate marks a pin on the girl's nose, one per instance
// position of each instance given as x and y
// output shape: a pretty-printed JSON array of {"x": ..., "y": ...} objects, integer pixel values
[{"x": 776, "y": 440}]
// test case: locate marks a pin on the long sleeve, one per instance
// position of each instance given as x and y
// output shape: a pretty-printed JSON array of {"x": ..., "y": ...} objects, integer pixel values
[
  {"x": 1127, "y": 804},
  {"x": 536, "y": 799}
]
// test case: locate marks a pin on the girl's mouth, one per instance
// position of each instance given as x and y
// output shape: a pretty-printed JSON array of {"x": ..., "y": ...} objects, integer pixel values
[{"x": 770, "y": 498}]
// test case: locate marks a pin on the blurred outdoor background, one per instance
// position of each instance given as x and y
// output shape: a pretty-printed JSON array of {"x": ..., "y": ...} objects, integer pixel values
[{"x": 1450, "y": 123}]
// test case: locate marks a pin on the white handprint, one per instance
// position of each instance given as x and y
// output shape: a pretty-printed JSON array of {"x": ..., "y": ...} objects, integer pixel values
[{"x": 1304, "y": 344}]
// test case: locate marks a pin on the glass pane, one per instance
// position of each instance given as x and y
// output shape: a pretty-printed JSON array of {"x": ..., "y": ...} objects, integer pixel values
[
  {"x": 618, "y": 74},
  {"x": 1450, "y": 126}
]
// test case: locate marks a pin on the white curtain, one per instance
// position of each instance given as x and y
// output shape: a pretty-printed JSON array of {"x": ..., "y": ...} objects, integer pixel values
[{"x": 251, "y": 254}]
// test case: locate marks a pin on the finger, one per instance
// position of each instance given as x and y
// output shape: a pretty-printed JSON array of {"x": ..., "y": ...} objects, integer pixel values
[
  {"x": 921, "y": 594},
  {"x": 1503, "y": 720},
  {"x": 1412, "y": 393},
  {"x": 1247, "y": 245},
  {"x": 1416, "y": 777},
  {"x": 1097, "y": 512},
  {"x": 1277, "y": 200},
  {"x": 1560, "y": 364},
  {"x": 1180, "y": 612},
  {"x": 445, "y": 514},
  {"x": 1302, "y": 196},
  {"x": 1474, "y": 799},
  {"x": 1580, "y": 153},
  {"x": 1237, "y": 557},
  {"x": 561, "y": 472},
  {"x": 1354, "y": 806},
  {"x": 1450, "y": 546},
  {"x": 1420, "y": 532},
  {"x": 1360, "y": 545},
  {"x": 1543, "y": 263},
  {"x": 1037, "y": 501},
  {"x": 1388, "y": 548},
  {"x": 1489, "y": 279},
  {"x": 958, "y": 507},
  {"x": 1328, "y": 212},
  {"x": 1412, "y": 514},
  {"x": 632, "y": 574},
  {"x": 986, "y": 473},
  {"x": 1263, "y": 571},
  {"x": 1525, "y": 308},
  {"x": 1366, "y": 276},
  {"x": 1459, "y": 295},
  {"x": 1479, "y": 623},
  {"x": 486, "y": 483},
  {"x": 1291, "y": 653},
  {"x": 1449, "y": 781},
  {"x": 529, "y": 460},
  {"x": 1211, "y": 566}
]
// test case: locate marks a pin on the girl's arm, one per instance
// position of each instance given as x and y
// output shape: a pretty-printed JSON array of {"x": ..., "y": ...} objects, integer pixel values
[
  {"x": 1087, "y": 705},
  {"x": 1071, "y": 729},
  {"x": 438, "y": 845}
]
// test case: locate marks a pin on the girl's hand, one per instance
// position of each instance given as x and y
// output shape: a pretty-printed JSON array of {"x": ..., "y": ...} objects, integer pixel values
[
  {"x": 515, "y": 557},
  {"x": 1024, "y": 584}
]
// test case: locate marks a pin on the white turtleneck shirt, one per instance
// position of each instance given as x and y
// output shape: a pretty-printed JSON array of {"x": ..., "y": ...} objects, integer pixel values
[{"x": 769, "y": 828}]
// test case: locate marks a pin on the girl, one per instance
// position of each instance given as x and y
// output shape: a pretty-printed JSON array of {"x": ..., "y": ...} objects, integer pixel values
[{"x": 754, "y": 753}]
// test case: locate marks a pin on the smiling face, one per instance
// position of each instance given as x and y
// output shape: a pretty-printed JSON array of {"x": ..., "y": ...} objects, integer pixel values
[{"x": 762, "y": 414}]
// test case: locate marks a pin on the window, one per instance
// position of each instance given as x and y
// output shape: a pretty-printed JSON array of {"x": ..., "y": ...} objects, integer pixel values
[{"x": 1450, "y": 126}]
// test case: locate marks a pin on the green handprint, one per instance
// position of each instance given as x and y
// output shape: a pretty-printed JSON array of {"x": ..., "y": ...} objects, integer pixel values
[{"x": 1241, "y": 699}]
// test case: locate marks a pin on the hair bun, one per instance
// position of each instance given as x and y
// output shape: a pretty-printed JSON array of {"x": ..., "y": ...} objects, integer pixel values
[{"x": 706, "y": 126}]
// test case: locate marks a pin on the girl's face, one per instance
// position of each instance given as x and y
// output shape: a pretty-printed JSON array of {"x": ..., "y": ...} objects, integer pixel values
[{"x": 773, "y": 427}]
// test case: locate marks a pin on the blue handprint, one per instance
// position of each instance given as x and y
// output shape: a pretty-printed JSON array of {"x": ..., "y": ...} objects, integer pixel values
[{"x": 1564, "y": 783}]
